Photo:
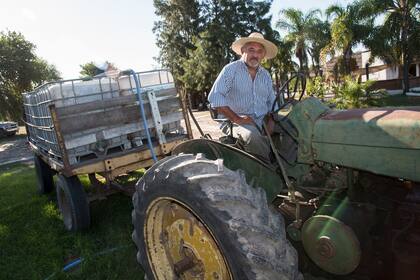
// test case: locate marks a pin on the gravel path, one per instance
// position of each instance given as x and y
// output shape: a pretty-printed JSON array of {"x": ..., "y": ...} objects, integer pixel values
[
  {"x": 15, "y": 149},
  {"x": 206, "y": 123}
]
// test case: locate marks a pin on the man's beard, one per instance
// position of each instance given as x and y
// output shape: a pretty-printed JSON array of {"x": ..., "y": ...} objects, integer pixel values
[{"x": 254, "y": 63}]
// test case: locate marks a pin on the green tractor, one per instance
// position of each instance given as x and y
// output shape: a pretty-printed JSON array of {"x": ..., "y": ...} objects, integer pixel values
[{"x": 342, "y": 201}]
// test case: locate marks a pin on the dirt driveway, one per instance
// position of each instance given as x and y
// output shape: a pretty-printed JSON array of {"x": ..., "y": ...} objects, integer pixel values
[
  {"x": 16, "y": 149},
  {"x": 207, "y": 125}
]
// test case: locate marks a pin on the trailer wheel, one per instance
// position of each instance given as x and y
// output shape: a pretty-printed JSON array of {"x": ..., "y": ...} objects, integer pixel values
[
  {"x": 73, "y": 203},
  {"x": 44, "y": 175},
  {"x": 195, "y": 219}
]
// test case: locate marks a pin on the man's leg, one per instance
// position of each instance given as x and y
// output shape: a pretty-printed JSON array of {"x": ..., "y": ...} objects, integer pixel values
[{"x": 254, "y": 143}]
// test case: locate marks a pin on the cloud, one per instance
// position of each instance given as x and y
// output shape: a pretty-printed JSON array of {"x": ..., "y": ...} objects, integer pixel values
[{"x": 28, "y": 14}]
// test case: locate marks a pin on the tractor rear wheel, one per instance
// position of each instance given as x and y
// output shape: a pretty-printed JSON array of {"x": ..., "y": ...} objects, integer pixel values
[
  {"x": 73, "y": 203},
  {"x": 195, "y": 219}
]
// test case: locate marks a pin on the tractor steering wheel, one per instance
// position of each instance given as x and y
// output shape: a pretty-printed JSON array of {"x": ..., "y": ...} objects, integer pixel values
[{"x": 299, "y": 80}]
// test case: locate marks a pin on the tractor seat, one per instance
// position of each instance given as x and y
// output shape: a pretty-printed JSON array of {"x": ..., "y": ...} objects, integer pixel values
[{"x": 228, "y": 139}]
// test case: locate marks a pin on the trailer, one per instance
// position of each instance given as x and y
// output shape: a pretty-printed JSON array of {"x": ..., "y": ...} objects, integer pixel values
[{"x": 104, "y": 127}]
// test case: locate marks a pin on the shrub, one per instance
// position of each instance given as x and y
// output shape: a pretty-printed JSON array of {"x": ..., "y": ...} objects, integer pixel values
[{"x": 352, "y": 94}]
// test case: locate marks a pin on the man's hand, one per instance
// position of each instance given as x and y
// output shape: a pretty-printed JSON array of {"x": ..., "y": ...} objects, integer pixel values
[
  {"x": 244, "y": 120},
  {"x": 233, "y": 117},
  {"x": 269, "y": 123}
]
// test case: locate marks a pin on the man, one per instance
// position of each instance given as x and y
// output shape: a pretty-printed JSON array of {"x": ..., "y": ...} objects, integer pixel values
[{"x": 243, "y": 93}]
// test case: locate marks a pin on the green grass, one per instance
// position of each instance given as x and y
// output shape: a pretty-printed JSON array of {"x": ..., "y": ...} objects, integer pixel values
[
  {"x": 35, "y": 245},
  {"x": 396, "y": 100}
]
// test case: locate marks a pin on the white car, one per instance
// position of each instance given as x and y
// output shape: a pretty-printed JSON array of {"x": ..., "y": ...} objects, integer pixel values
[{"x": 8, "y": 128}]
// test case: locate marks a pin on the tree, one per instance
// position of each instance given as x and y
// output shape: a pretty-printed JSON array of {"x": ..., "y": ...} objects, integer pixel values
[
  {"x": 179, "y": 23},
  {"x": 397, "y": 39},
  {"x": 283, "y": 63},
  {"x": 348, "y": 27},
  {"x": 299, "y": 27},
  {"x": 196, "y": 50},
  {"x": 20, "y": 71},
  {"x": 224, "y": 22},
  {"x": 319, "y": 37},
  {"x": 90, "y": 69}
]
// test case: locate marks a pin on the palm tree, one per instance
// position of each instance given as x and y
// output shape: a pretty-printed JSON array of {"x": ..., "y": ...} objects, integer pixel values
[
  {"x": 397, "y": 39},
  {"x": 283, "y": 62},
  {"x": 299, "y": 27},
  {"x": 319, "y": 37},
  {"x": 348, "y": 27}
]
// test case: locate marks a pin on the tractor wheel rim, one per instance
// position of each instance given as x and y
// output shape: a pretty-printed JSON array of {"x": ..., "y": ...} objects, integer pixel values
[{"x": 180, "y": 245}]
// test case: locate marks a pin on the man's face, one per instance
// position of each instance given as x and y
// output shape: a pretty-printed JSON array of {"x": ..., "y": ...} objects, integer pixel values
[{"x": 252, "y": 54}]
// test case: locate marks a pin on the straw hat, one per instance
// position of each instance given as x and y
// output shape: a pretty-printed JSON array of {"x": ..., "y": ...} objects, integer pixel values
[{"x": 270, "y": 48}]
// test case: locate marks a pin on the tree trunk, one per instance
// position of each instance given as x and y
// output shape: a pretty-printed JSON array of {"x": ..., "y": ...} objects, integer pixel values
[
  {"x": 276, "y": 77},
  {"x": 300, "y": 64},
  {"x": 405, "y": 54},
  {"x": 347, "y": 61},
  {"x": 406, "y": 80}
]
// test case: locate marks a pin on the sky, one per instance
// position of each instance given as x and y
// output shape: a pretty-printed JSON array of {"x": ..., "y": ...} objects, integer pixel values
[{"x": 73, "y": 32}]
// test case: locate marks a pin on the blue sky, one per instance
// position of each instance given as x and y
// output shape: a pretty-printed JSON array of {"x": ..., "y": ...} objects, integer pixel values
[{"x": 70, "y": 33}]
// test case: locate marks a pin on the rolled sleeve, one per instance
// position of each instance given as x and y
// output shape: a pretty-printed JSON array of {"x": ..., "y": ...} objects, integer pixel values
[
  {"x": 221, "y": 88},
  {"x": 271, "y": 94},
  {"x": 271, "y": 99}
]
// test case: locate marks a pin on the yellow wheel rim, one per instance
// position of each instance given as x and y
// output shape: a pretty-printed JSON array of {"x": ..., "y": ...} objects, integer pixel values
[{"x": 179, "y": 245}]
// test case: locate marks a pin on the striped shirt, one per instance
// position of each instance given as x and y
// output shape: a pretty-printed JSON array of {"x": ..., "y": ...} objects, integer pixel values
[{"x": 235, "y": 88}]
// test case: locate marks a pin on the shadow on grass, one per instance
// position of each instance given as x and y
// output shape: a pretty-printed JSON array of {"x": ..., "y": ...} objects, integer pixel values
[{"x": 35, "y": 245}]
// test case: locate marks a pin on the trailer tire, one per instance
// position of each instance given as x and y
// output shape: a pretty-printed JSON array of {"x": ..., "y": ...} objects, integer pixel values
[
  {"x": 247, "y": 233},
  {"x": 44, "y": 175},
  {"x": 73, "y": 203}
]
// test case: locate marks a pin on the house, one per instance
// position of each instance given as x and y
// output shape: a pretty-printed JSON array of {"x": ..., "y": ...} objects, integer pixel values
[
  {"x": 387, "y": 76},
  {"x": 380, "y": 71}
]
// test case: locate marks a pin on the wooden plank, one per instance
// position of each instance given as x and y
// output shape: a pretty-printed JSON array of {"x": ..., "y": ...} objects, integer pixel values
[
  {"x": 123, "y": 163},
  {"x": 59, "y": 136}
]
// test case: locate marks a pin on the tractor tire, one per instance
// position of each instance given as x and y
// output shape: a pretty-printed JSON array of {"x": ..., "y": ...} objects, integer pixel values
[
  {"x": 44, "y": 175},
  {"x": 187, "y": 198},
  {"x": 73, "y": 203}
]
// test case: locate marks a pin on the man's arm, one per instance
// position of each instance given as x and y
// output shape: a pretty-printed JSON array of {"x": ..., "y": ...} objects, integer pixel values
[{"x": 233, "y": 117}]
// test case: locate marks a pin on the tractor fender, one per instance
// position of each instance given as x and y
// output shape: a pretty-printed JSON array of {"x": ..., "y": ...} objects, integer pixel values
[{"x": 257, "y": 173}]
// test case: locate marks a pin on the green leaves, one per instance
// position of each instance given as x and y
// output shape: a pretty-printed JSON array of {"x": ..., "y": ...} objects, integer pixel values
[
  {"x": 194, "y": 37},
  {"x": 349, "y": 26},
  {"x": 20, "y": 70},
  {"x": 300, "y": 29},
  {"x": 396, "y": 40},
  {"x": 352, "y": 94}
]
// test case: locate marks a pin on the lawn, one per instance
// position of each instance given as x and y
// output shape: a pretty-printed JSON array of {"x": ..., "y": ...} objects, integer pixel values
[
  {"x": 396, "y": 100},
  {"x": 35, "y": 245}
]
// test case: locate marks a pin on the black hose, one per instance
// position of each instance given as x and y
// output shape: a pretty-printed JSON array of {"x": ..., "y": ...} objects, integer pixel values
[{"x": 207, "y": 136}]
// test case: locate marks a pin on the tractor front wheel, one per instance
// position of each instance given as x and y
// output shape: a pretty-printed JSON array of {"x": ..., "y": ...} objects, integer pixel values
[{"x": 195, "y": 219}]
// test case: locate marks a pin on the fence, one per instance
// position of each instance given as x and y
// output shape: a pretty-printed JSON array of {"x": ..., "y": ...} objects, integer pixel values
[{"x": 395, "y": 84}]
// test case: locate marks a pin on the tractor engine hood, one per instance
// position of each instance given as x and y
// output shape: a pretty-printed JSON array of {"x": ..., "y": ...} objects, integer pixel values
[{"x": 384, "y": 141}]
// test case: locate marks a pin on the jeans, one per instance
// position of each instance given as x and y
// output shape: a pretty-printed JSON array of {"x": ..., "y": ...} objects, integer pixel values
[{"x": 251, "y": 138}]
